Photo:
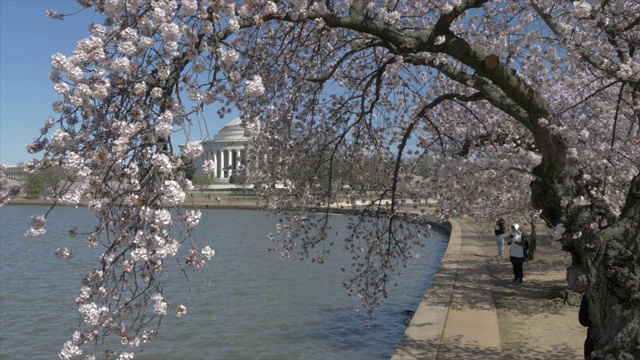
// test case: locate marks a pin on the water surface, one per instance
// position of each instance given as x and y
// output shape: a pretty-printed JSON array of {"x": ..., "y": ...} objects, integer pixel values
[{"x": 256, "y": 307}]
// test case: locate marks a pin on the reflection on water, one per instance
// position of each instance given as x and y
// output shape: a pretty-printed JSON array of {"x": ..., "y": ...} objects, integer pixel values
[{"x": 257, "y": 306}]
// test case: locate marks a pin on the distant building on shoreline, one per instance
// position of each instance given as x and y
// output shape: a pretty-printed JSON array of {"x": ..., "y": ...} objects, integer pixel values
[
  {"x": 226, "y": 150},
  {"x": 14, "y": 172}
]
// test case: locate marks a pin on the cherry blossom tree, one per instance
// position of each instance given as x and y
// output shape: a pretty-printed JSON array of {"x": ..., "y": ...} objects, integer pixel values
[{"x": 501, "y": 98}]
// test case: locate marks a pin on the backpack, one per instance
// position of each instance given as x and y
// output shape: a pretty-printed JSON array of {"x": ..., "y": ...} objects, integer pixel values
[{"x": 525, "y": 247}]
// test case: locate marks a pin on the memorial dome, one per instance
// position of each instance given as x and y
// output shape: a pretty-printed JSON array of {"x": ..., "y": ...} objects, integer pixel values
[{"x": 231, "y": 132}]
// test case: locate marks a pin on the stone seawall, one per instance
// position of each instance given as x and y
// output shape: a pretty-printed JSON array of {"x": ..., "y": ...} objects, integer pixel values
[{"x": 424, "y": 334}]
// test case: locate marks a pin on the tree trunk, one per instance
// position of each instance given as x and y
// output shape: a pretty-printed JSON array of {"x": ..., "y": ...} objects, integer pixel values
[
  {"x": 614, "y": 308},
  {"x": 607, "y": 248},
  {"x": 612, "y": 260},
  {"x": 533, "y": 238}
]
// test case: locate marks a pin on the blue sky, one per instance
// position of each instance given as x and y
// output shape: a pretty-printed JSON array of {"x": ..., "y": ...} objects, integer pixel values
[{"x": 27, "y": 41}]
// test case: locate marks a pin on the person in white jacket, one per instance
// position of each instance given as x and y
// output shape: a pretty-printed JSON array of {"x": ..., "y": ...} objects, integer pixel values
[{"x": 516, "y": 254}]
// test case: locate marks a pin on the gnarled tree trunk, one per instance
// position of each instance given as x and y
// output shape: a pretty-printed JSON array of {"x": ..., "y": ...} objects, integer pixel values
[
  {"x": 611, "y": 259},
  {"x": 608, "y": 253}
]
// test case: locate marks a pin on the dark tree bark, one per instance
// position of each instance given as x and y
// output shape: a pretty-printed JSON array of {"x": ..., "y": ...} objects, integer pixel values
[
  {"x": 533, "y": 237},
  {"x": 611, "y": 259},
  {"x": 608, "y": 254}
]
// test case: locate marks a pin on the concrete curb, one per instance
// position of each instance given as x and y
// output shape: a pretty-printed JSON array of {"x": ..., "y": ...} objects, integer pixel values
[
  {"x": 422, "y": 338},
  {"x": 457, "y": 317}
]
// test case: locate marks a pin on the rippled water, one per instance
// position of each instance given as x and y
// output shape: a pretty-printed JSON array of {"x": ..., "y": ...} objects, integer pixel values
[{"x": 257, "y": 307}]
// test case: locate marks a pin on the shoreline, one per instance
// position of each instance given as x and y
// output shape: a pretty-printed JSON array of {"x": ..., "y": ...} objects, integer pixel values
[
  {"x": 192, "y": 203},
  {"x": 244, "y": 204}
]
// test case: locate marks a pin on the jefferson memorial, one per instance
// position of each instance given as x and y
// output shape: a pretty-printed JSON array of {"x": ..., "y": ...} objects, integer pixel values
[{"x": 226, "y": 149}]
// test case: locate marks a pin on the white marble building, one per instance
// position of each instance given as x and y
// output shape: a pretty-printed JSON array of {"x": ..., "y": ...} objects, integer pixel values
[{"x": 226, "y": 149}]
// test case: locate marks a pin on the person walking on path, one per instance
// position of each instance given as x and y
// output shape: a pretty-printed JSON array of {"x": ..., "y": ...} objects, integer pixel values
[
  {"x": 516, "y": 254},
  {"x": 499, "y": 230}
]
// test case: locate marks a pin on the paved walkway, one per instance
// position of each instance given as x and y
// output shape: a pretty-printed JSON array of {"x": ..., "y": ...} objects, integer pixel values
[{"x": 457, "y": 318}]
